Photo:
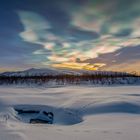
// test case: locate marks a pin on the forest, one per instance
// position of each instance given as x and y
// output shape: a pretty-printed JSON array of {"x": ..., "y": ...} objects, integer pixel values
[{"x": 96, "y": 78}]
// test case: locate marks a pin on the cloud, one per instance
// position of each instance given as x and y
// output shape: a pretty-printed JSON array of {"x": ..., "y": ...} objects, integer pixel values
[
  {"x": 75, "y": 46},
  {"x": 33, "y": 23},
  {"x": 79, "y": 66},
  {"x": 38, "y": 31},
  {"x": 124, "y": 33},
  {"x": 107, "y": 16},
  {"x": 126, "y": 59},
  {"x": 75, "y": 32}
]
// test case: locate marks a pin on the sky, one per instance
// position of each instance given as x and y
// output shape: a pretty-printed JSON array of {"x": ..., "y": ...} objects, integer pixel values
[{"x": 70, "y": 34}]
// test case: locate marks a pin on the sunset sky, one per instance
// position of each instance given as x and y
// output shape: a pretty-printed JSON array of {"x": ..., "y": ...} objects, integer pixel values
[{"x": 77, "y": 34}]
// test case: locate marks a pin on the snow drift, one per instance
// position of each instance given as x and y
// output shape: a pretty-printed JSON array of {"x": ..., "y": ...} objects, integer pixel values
[{"x": 79, "y": 113}]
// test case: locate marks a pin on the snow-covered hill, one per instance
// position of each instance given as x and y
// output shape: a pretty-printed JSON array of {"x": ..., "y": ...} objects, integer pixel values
[
  {"x": 39, "y": 72},
  {"x": 52, "y": 71}
]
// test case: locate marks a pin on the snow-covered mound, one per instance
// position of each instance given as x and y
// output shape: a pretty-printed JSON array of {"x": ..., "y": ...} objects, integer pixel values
[{"x": 61, "y": 115}]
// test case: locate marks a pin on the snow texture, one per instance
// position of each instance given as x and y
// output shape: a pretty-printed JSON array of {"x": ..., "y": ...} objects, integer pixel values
[{"x": 80, "y": 112}]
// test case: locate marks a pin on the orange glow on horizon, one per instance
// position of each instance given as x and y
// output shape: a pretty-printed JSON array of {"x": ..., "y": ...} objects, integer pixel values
[{"x": 79, "y": 66}]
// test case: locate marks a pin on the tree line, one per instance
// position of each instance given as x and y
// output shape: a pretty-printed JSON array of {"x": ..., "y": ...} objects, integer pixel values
[{"x": 96, "y": 78}]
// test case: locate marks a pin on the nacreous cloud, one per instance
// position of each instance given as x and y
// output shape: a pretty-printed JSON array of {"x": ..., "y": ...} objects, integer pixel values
[
  {"x": 90, "y": 29},
  {"x": 33, "y": 23}
]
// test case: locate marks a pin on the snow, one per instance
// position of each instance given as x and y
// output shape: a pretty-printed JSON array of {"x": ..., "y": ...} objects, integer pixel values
[
  {"x": 53, "y": 71},
  {"x": 40, "y": 72},
  {"x": 80, "y": 112}
]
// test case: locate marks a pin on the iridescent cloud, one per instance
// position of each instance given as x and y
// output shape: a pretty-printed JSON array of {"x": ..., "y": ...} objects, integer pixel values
[{"x": 72, "y": 34}]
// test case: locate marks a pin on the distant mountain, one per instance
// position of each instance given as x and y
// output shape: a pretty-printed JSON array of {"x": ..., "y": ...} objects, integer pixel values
[
  {"x": 39, "y": 72},
  {"x": 51, "y": 71}
]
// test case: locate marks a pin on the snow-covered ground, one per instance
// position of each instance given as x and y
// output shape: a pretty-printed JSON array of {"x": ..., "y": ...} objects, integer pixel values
[{"x": 80, "y": 113}]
